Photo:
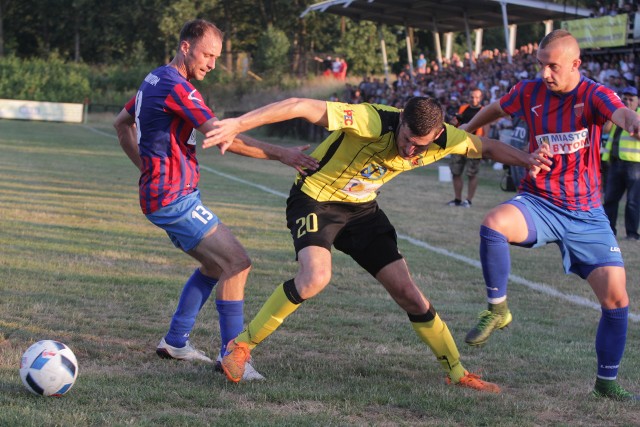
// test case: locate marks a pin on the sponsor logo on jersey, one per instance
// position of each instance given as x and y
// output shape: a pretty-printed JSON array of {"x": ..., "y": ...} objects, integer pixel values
[
  {"x": 348, "y": 117},
  {"x": 360, "y": 189},
  {"x": 578, "y": 109},
  {"x": 533, "y": 109},
  {"x": 193, "y": 98},
  {"x": 614, "y": 249},
  {"x": 565, "y": 142},
  {"x": 152, "y": 79},
  {"x": 373, "y": 172}
]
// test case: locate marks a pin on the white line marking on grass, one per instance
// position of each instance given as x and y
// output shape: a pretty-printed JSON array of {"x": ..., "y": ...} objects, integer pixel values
[
  {"x": 540, "y": 287},
  {"x": 244, "y": 181},
  {"x": 94, "y": 130}
]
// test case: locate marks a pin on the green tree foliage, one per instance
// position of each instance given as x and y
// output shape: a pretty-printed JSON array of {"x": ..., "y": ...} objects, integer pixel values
[
  {"x": 360, "y": 45},
  {"x": 170, "y": 24},
  {"x": 272, "y": 55},
  {"x": 43, "y": 80}
]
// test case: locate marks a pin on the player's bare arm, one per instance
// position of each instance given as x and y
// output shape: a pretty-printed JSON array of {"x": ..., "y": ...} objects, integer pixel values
[
  {"x": 127, "y": 136},
  {"x": 628, "y": 120},
  {"x": 312, "y": 110},
  {"x": 488, "y": 114},
  {"x": 207, "y": 126},
  {"x": 247, "y": 146},
  {"x": 291, "y": 156},
  {"x": 508, "y": 155}
]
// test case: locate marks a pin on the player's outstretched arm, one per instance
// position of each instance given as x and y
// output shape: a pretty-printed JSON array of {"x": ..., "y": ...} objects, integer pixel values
[
  {"x": 628, "y": 120},
  {"x": 127, "y": 136},
  {"x": 291, "y": 156},
  {"x": 312, "y": 110},
  {"x": 508, "y": 155},
  {"x": 488, "y": 114}
]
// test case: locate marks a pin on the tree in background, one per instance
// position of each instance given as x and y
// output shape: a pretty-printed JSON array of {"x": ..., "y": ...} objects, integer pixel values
[
  {"x": 272, "y": 55},
  {"x": 173, "y": 17},
  {"x": 360, "y": 45}
]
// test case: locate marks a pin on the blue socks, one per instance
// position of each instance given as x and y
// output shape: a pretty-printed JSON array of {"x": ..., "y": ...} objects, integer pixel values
[
  {"x": 496, "y": 263},
  {"x": 231, "y": 319},
  {"x": 194, "y": 294},
  {"x": 610, "y": 341}
]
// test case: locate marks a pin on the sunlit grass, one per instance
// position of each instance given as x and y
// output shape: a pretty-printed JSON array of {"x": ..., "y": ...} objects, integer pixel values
[{"x": 80, "y": 263}]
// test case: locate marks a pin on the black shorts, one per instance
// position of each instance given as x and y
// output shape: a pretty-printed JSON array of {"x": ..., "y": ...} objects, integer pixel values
[{"x": 360, "y": 230}]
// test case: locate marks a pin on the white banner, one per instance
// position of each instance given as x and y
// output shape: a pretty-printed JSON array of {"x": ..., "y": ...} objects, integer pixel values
[
  {"x": 605, "y": 31},
  {"x": 36, "y": 110},
  {"x": 636, "y": 26}
]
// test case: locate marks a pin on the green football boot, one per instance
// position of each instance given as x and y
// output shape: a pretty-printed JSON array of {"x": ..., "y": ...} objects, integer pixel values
[
  {"x": 490, "y": 320},
  {"x": 610, "y": 389}
]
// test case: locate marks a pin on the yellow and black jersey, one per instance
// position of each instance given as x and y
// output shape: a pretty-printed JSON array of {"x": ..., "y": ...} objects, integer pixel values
[{"x": 360, "y": 154}]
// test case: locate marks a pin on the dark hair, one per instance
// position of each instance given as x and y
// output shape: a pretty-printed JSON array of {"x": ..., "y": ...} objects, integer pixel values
[
  {"x": 553, "y": 36},
  {"x": 195, "y": 30},
  {"x": 423, "y": 115}
]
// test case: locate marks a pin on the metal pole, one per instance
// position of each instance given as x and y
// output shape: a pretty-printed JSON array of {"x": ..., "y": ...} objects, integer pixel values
[
  {"x": 468, "y": 35},
  {"x": 409, "y": 54},
  {"x": 505, "y": 24},
  {"x": 383, "y": 48}
]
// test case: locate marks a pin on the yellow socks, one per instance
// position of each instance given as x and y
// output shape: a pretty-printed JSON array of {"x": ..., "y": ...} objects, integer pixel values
[
  {"x": 271, "y": 315},
  {"x": 436, "y": 335}
]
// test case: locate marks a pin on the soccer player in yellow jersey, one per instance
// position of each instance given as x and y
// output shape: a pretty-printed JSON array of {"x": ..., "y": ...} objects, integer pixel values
[{"x": 335, "y": 205}]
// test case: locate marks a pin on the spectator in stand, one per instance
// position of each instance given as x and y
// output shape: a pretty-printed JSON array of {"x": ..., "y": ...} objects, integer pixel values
[
  {"x": 421, "y": 64},
  {"x": 326, "y": 65},
  {"x": 343, "y": 69},
  {"x": 607, "y": 73},
  {"x": 616, "y": 84},
  {"x": 357, "y": 97},
  {"x": 335, "y": 67}
]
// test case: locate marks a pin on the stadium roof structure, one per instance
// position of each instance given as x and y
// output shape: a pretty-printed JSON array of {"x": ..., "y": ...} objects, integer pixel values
[{"x": 450, "y": 15}]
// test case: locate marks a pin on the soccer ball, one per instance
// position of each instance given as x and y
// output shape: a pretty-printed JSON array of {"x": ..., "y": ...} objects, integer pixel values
[{"x": 48, "y": 368}]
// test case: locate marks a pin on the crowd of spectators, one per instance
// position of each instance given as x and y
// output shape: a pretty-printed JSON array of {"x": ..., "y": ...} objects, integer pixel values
[
  {"x": 613, "y": 8},
  {"x": 491, "y": 72}
]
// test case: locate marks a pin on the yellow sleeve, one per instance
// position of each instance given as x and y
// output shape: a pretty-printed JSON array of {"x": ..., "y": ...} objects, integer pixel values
[
  {"x": 357, "y": 119},
  {"x": 464, "y": 143}
]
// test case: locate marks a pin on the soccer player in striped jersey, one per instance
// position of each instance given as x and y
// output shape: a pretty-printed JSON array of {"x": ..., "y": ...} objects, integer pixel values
[
  {"x": 335, "y": 205},
  {"x": 156, "y": 129},
  {"x": 566, "y": 112}
]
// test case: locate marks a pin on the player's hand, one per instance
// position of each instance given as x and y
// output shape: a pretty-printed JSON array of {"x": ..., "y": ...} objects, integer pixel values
[
  {"x": 540, "y": 160},
  {"x": 224, "y": 132},
  {"x": 298, "y": 160},
  {"x": 634, "y": 129}
]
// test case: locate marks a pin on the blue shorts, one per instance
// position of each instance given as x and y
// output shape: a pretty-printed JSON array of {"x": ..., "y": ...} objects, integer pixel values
[
  {"x": 185, "y": 220},
  {"x": 585, "y": 238}
]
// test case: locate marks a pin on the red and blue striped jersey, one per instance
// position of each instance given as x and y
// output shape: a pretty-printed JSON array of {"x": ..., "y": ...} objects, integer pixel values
[
  {"x": 571, "y": 124},
  {"x": 167, "y": 110}
]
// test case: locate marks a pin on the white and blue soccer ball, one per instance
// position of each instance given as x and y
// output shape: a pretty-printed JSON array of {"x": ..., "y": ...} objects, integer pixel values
[{"x": 48, "y": 368}]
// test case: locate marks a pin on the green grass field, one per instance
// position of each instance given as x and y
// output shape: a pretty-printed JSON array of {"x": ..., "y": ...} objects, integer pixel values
[{"x": 80, "y": 263}]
